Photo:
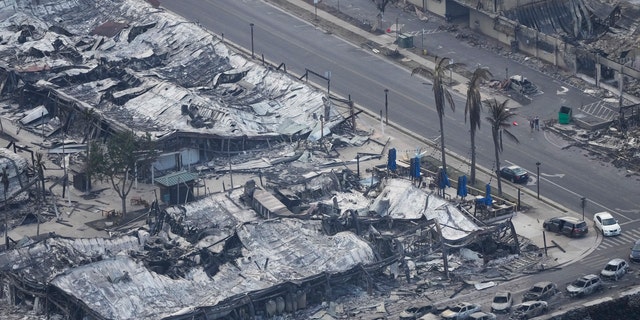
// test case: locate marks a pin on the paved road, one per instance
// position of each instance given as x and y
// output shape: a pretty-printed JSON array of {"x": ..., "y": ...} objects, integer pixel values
[{"x": 357, "y": 72}]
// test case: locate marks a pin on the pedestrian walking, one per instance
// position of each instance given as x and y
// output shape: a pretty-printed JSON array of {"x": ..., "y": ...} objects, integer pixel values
[
  {"x": 531, "y": 124},
  {"x": 536, "y": 121}
]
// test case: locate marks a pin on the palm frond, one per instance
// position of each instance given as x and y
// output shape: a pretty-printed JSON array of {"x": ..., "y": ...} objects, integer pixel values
[
  {"x": 450, "y": 101},
  {"x": 422, "y": 72},
  {"x": 511, "y": 136}
]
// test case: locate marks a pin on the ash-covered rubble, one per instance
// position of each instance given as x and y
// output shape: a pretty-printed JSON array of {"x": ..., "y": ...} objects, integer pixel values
[
  {"x": 109, "y": 65},
  {"x": 128, "y": 65},
  {"x": 235, "y": 263},
  {"x": 617, "y": 144},
  {"x": 242, "y": 253}
]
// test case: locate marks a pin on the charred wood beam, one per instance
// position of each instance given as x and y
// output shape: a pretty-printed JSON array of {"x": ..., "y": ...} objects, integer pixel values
[
  {"x": 35, "y": 289},
  {"x": 72, "y": 306}
]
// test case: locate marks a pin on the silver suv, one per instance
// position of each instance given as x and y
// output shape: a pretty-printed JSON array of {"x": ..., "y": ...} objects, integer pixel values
[
  {"x": 585, "y": 285},
  {"x": 615, "y": 269}
]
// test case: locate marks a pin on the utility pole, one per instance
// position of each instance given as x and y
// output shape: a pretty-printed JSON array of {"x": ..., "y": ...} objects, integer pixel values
[
  {"x": 251, "y": 25},
  {"x": 386, "y": 106},
  {"x": 5, "y": 184},
  {"x": 397, "y": 31},
  {"x": 538, "y": 178}
]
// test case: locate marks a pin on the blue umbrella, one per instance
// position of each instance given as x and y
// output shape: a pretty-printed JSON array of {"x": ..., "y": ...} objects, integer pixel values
[
  {"x": 462, "y": 186},
  {"x": 416, "y": 167},
  {"x": 487, "y": 198},
  {"x": 444, "y": 180},
  {"x": 391, "y": 164}
]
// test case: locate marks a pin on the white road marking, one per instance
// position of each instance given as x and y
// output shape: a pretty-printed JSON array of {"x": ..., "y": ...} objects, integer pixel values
[
  {"x": 562, "y": 91},
  {"x": 557, "y": 175},
  {"x": 573, "y": 193}
]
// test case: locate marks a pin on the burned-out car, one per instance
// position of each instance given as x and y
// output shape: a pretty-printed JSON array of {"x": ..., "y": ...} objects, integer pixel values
[
  {"x": 502, "y": 302},
  {"x": 416, "y": 312},
  {"x": 585, "y": 285},
  {"x": 460, "y": 311},
  {"x": 541, "y": 291},
  {"x": 522, "y": 85},
  {"x": 529, "y": 309},
  {"x": 615, "y": 269}
]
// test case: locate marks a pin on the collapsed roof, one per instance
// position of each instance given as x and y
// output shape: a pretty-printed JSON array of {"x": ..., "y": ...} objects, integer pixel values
[
  {"x": 15, "y": 168},
  {"x": 579, "y": 19},
  {"x": 607, "y": 27},
  {"x": 400, "y": 199},
  {"x": 105, "y": 274},
  {"x": 142, "y": 68}
]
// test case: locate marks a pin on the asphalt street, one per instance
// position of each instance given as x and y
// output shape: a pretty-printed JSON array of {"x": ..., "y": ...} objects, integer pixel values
[{"x": 358, "y": 72}]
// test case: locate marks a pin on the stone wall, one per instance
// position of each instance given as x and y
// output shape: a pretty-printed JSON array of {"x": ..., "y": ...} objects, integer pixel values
[{"x": 626, "y": 306}]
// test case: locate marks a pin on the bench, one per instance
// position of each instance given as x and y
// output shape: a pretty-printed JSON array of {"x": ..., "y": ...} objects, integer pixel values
[{"x": 111, "y": 213}]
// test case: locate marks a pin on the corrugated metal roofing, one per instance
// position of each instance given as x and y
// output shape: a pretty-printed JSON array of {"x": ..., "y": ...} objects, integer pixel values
[
  {"x": 183, "y": 59},
  {"x": 176, "y": 178}
]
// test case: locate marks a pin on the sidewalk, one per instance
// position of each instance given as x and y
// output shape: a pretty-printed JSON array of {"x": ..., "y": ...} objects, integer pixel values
[{"x": 528, "y": 224}]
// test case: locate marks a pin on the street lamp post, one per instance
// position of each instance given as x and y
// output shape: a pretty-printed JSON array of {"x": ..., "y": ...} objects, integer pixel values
[
  {"x": 386, "y": 106},
  {"x": 538, "y": 177},
  {"x": 251, "y": 25},
  {"x": 397, "y": 27}
]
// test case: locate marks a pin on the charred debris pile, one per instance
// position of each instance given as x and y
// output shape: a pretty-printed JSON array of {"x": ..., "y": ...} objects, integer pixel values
[
  {"x": 89, "y": 68},
  {"x": 259, "y": 251}
]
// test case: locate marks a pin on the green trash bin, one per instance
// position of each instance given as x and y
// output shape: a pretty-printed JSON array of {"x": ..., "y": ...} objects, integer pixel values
[
  {"x": 564, "y": 115},
  {"x": 405, "y": 40}
]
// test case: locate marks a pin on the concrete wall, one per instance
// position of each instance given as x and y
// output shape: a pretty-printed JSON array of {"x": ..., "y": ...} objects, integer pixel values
[
  {"x": 625, "y": 306},
  {"x": 529, "y": 41},
  {"x": 500, "y": 29},
  {"x": 548, "y": 48},
  {"x": 437, "y": 7},
  {"x": 177, "y": 160}
]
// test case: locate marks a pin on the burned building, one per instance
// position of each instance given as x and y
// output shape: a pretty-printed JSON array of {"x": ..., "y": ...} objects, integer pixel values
[
  {"x": 92, "y": 68},
  {"x": 16, "y": 169},
  {"x": 120, "y": 65},
  {"x": 596, "y": 38},
  {"x": 214, "y": 258}
]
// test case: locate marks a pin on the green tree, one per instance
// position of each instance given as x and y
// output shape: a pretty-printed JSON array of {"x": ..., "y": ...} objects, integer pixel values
[
  {"x": 440, "y": 93},
  {"x": 472, "y": 111},
  {"x": 500, "y": 119},
  {"x": 118, "y": 158}
]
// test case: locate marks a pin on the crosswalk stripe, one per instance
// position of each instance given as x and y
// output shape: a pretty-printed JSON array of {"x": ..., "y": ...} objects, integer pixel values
[
  {"x": 620, "y": 240},
  {"x": 596, "y": 261}
]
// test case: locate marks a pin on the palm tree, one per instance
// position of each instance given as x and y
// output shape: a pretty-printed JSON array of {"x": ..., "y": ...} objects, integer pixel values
[
  {"x": 440, "y": 93},
  {"x": 500, "y": 119},
  {"x": 473, "y": 108}
]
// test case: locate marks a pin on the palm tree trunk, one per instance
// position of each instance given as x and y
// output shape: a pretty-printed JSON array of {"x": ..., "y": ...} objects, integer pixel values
[
  {"x": 497, "y": 150},
  {"x": 444, "y": 162},
  {"x": 473, "y": 157}
]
